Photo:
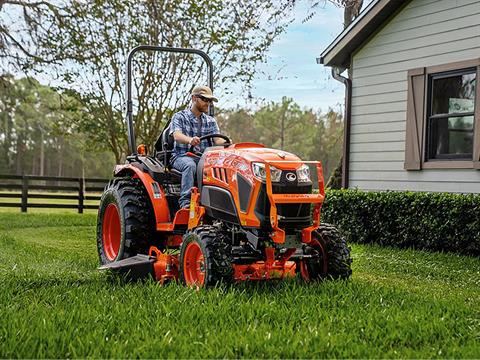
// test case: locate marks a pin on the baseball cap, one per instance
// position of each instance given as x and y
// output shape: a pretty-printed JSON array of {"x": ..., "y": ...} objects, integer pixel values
[{"x": 204, "y": 91}]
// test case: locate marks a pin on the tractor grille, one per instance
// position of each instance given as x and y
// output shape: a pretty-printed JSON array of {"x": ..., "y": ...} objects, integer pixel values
[
  {"x": 296, "y": 215},
  {"x": 292, "y": 216}
]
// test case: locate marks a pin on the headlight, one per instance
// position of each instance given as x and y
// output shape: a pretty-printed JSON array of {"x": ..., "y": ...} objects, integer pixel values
[
  {"x": 303, "y": 174},
  {"x": 260, "y": 172}
]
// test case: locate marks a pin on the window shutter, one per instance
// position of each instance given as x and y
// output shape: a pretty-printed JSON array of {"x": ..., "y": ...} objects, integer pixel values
[{"x": 415, "y": 119}]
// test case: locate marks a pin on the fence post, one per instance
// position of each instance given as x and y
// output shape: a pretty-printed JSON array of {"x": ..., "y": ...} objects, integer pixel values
[
  {"x": 81, "y": 194},
  {"x": 24, "y": 193}
]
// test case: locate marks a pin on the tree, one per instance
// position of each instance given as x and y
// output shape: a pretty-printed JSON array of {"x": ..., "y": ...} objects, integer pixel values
[
  {"x": 37, "y": 134},
  {"x": 86, "y": 44},
  {"x": 285, "y": 126},
  {"x": 238, "y": 124},
  {"x": 308, "y": 134},
  {"x": 328, "y": 138},
  {"x": 20, "y": 29},
  {"x": 352, "y": 9},
  {"x": 99, "y": 34}
]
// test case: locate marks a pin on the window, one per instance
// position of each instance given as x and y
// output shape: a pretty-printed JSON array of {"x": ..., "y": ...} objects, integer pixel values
[
  {"x": 443, "y": 117},
  {"x": 451, "y": 109}
]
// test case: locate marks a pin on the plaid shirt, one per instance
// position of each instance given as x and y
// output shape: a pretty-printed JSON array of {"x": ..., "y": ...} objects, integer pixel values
[{"x": 186, "y": 122}]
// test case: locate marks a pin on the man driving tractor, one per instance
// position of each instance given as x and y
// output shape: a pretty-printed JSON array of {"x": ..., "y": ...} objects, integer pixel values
[
  {"x": 254, "y": 217},
  {"x": 188, "y": 126}
]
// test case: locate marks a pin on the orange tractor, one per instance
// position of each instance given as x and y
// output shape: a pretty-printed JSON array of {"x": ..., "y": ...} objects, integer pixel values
[{"x": 254, "y": 213}]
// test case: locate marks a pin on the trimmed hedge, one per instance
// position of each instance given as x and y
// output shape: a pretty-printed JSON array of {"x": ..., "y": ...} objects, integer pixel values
[{"x": 430, "y": 221}]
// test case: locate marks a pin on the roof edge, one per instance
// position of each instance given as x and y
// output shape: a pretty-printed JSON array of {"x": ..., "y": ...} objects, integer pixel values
[{"x": 370, "y": 19}]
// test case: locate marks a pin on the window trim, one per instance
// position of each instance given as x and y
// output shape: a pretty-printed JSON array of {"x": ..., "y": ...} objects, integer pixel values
[
  {"x": 430, "y": 78},
  {"x": 451, "y": 164}
]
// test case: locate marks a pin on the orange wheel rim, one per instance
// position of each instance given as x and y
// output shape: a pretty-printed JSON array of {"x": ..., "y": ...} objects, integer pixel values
[
  {"x": 194, "y": 265},
  {"x": 111, "y": 232}
]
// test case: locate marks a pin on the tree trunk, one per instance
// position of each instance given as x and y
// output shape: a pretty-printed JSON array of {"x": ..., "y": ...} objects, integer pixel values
[
  {"x": 282, "y": 133},
  {"x": 60, "y": 157},
  {"x": 20, "y": 152},
  {"x": 42, "y": 153},
  {"x": 8, "y": 141},
  {"x": 33, "y": 164},
  {"x": 351, "y": 10}
]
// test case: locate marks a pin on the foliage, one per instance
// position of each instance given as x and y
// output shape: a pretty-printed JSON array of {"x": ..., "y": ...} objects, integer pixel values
[
  {"x": 351, "y": 9},
  {"x": 430, "y": 221},
  {"x": 20, "y": 27},
  {"x": 398, "y": 304},
  {"x": 304, "y": 132},
  {"x": 328, "y": 141},
  {"x": 86, "y": 43},
  {"x": 97, "y": 36},
  {"x": 37, "y": 135}
]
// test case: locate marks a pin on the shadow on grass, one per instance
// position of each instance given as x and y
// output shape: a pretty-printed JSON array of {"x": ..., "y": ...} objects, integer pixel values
[
  {"x": 25, "y": 284},
  {"x": 124, "y": 277}
]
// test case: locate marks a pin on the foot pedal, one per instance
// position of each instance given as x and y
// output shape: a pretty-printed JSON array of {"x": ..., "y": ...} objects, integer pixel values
[{"x": 134, "y": 268}]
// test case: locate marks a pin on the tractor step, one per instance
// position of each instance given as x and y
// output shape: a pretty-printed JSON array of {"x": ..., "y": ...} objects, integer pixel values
[{"x": 134, "y": 268}]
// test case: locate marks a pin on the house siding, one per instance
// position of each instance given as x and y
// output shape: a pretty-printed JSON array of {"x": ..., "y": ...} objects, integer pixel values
[{"x": 424, "y": 33}]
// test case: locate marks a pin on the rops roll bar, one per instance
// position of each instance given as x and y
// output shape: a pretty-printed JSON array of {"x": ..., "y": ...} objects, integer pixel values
[{"x": 129, "y": 104}]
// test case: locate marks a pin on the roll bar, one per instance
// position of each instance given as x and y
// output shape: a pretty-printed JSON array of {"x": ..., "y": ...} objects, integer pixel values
[{"x": 129, "y": 104}]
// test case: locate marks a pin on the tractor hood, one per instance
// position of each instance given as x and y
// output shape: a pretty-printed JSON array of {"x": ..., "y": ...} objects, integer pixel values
[{"x": 258, "y": 153}]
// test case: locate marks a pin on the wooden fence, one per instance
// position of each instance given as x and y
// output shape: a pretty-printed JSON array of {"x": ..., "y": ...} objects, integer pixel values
[{"x": 50, "y": 187}]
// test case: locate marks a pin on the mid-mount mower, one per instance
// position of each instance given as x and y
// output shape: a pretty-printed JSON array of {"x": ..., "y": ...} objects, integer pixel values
[{"x": 254, "y": 214}]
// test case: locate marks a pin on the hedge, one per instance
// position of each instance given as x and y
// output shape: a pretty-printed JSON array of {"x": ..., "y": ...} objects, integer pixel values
[{"x": 430, "y": 221}]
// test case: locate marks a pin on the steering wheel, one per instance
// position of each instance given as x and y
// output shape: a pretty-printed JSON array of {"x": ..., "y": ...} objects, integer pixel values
[{"x": 210, "y": 138}]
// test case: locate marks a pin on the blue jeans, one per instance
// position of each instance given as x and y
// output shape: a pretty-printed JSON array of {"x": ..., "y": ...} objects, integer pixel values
[{"x": 188, "y": 167}]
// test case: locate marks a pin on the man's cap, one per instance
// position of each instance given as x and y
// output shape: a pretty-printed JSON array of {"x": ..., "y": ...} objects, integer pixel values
[{"x": 204, "y": 91}]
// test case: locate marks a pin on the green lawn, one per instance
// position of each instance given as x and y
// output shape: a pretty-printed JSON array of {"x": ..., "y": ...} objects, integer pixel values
[{"x": 398, "y": 304}]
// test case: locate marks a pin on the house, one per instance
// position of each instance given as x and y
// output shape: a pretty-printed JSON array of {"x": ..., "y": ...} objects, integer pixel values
[{"x": 413, "y": 100}]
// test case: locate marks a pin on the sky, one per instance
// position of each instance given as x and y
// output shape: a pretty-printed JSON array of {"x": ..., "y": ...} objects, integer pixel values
[{"x": 291, "y": 69}]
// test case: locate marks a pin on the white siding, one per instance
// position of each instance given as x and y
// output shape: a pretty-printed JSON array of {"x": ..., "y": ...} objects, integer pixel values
[{"x": 424, "y": 33}]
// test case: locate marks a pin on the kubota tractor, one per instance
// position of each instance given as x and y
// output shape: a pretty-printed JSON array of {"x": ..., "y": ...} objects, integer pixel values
[{"x": 254, "y": 214}]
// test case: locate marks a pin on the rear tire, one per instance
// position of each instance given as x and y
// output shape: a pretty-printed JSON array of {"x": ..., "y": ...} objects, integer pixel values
[
  {"x": 332, "y": 258},
  {"x": 125, "y": 222},
  {"x": 205, "y": 258}
]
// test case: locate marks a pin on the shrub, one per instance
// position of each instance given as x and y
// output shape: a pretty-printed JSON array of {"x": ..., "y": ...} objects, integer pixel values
[{"x": 430, "y": 221}]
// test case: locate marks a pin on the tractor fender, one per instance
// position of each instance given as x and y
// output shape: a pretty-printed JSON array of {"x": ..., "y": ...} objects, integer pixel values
[{"x": 154, "y": 190}]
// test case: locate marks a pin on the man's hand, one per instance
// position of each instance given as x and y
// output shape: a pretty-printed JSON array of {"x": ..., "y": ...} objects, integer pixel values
[
  {"x": 184, "y": 139},
  {"x": 194, "y": 141}
]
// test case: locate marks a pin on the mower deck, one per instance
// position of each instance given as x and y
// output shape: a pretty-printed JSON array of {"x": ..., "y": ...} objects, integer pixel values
[{"x": 136, "y": 267}]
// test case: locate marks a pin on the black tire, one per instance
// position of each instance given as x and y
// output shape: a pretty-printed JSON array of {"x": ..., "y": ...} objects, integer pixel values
[
  {"x": 215, "y": 249},
  {"x": 135, "y": 217},
  {"x": 338, "y": 260}
]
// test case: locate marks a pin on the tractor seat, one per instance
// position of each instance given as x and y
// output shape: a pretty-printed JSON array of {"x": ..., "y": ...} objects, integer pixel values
[
  {"x": 164, "y": 149},
  {"x": 163, "y": 152}
]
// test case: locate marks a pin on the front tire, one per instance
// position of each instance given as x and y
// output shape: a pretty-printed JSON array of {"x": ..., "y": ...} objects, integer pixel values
[
  {"x": 125, "y": 222},
  {"x": 331, "y": 256},
  {"x": 205, "y": 258}
]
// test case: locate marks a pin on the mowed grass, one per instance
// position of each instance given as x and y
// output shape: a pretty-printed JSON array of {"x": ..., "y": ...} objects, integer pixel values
[{"x": 398, "y": 304}]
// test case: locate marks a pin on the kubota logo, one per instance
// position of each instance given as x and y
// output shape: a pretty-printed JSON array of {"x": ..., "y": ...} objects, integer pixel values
[{"x": 291, "y": 177}]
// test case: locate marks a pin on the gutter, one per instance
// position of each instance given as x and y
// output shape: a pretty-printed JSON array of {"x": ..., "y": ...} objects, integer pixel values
[{"x": 347, "y": 123}]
